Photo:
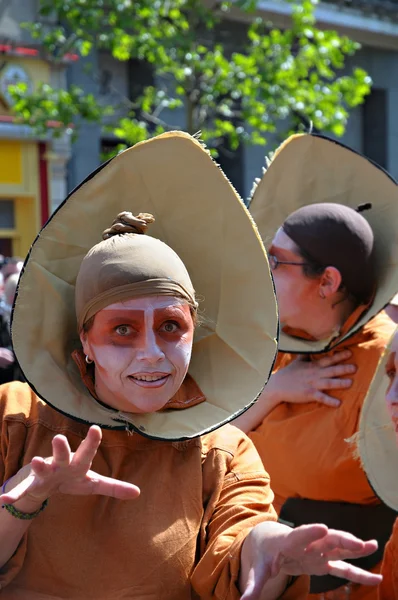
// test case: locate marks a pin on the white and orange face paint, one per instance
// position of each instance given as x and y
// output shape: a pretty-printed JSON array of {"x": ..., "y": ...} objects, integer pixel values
[
  {"x": 141, "y": 349},
  {"x": 392, "y": 392}
]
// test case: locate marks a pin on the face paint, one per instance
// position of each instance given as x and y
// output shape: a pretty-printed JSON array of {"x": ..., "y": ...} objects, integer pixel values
[
  {"x": 141, "y": 350},
  {"x": 392, "y": 392}
]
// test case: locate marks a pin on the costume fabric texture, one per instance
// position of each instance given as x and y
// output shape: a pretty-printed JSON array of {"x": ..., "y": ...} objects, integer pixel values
[
  {"x": 180, "y": 540},
  {"x": 388, "y": 589},
  {"x": 305, "y": 447}
]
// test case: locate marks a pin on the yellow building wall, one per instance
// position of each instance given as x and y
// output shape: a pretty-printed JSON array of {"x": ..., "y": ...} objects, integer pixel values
[
  {"x": 19, "y": 182},
  {"x": 19, "y": 169}
]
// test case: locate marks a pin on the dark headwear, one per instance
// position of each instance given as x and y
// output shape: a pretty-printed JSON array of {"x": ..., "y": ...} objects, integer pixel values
[{"x": 337, "y": 236}]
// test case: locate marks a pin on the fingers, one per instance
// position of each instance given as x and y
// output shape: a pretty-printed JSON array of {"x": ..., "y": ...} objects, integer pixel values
[
  {"x": 335, "y": 359},
  {"x": 323, "y": 398},
  {"x": 61, "y": 451},
  {"x": 104, "y": 486},
  {"x": 87, "y": 450},
  {"x": 40, "y": 467},
  {"x": 338, "y": 371},
  {"x": 354, "y": 574},
  {"x": 302, "y": 537},
  {"x": 330, "y": 383},
  {"x": 338, "y": 545}
]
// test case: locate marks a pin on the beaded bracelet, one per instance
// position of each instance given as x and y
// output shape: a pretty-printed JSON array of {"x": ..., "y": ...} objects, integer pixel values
[
  {"x": 22, "y": 515},
  {"x": 18, "y": 514}
]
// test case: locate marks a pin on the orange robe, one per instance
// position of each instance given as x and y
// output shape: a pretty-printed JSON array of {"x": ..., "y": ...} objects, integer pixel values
[
  {"x": 180, "y": 540},
  {"x": 304, "y": 446},
  {"x": 388, "y": 589}
]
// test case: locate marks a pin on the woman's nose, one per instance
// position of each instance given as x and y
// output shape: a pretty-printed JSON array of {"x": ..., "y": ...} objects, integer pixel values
[{"x": 150, "y": 350}]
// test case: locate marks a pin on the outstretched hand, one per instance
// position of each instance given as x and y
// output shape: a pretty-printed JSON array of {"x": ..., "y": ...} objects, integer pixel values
[
  {"x": 309, "y": 549},
  {"x": 66, "y": 472}
]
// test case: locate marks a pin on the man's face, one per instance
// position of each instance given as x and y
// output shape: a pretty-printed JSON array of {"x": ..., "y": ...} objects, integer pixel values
[{"x": 141, "y": 350}]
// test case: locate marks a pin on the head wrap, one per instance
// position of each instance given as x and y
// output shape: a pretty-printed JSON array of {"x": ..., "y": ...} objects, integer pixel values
[
  {"x": 338, "y": 236},
  {"x": 128, "y": 264}
]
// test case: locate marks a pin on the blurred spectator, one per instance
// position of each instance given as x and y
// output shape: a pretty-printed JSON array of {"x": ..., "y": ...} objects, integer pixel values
[
  {"x": 11, "y": 266},
  {"x": 392, "y": 309},
  {"x": 9, "y": 368}
]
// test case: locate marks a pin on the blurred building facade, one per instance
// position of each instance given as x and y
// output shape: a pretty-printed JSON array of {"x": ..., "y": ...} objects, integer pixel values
[
  {"x": 32, "y": 170},
  {"x": 372, "y": 128}
]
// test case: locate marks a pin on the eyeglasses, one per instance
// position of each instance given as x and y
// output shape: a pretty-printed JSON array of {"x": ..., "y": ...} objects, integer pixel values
[{"x": 275, "y": 262}]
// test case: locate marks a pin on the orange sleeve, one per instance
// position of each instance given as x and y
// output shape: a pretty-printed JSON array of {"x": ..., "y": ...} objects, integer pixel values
[
  {"x": 388, "y": 589},
  {"x": 237, "y": 496},
  {"x": 15, "y": 402}
]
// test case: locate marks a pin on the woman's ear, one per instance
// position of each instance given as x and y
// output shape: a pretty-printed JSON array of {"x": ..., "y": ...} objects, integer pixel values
[
  {"x": 330, "y": 282},
  {"x": 84, "y": 341}
]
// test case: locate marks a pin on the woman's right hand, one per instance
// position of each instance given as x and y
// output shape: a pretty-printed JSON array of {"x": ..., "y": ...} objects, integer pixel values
[
  {"x": 307, "y": 381},
  {"x": 65, "y": 472}
]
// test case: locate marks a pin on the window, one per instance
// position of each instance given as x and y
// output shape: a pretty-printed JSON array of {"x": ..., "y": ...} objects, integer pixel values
[
  {"x": 375, "y": 127},
  {"x": 7, "y": 214}
]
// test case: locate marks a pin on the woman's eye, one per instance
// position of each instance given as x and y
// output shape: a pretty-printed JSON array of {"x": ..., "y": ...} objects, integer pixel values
[
  {"x": 170, "y": 326},
  {"x": 123, "y": 329}
]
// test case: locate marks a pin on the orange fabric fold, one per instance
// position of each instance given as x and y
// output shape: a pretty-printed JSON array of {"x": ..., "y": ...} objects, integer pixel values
[{"x": 388, "y": 589}]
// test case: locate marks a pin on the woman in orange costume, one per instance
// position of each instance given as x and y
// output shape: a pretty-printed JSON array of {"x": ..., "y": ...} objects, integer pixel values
[
  {"x": 377, "y": 443},
  {"x": 334, "y": 271},
  {"x": 104, "y": 333}
]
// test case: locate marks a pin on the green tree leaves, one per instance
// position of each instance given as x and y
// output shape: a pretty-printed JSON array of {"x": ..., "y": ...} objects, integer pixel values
[{"x": 233, "y": 88}]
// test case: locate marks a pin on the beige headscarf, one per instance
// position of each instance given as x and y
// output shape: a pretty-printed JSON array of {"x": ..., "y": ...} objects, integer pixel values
[{"x": 128, "y": 264}]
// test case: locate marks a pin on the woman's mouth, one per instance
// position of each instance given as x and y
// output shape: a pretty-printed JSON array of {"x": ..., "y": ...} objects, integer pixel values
[{"x": 149, "y": 380}]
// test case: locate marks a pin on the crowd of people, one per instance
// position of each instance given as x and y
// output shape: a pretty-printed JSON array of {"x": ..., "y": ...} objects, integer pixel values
[
  {"x": 9, "y": 276},
  {"x": 191, "y": 426}
]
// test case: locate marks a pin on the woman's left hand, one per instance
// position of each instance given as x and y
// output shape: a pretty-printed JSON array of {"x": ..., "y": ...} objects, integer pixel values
[{"x": 276, "y": 550}]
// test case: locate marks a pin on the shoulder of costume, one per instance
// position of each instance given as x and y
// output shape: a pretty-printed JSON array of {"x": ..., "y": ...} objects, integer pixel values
[
  {"x": 227, "y": 439},
  {"x": 19, "y": 403}
]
